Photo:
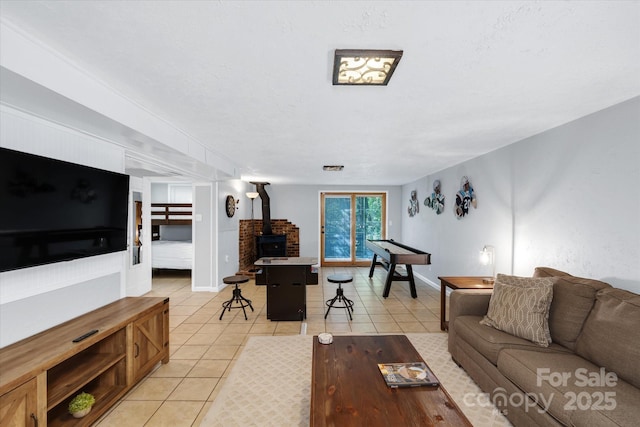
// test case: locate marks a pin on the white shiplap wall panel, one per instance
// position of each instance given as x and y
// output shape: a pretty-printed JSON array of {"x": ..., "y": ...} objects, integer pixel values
[
  {"x": 27, "y": 282},
  {"x": 23, "y": 132}
]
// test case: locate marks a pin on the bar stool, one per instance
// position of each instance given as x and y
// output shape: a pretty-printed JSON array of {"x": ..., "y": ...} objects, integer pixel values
[
  {"x": 237, "y": 297},
  {"x": 340, "y": 298}
]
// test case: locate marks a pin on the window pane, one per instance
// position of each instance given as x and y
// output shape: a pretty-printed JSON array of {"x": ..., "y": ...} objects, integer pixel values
[
  {"x": 337, "y": 228},
  {"x": 368, "y": 224}
]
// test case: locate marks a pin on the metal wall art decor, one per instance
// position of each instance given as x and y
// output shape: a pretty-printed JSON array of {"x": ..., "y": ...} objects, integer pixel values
[
  {"x": 464, "y": 198},
  {"x": 436, "y": 200},
  {"x": 414, "y": 205}
]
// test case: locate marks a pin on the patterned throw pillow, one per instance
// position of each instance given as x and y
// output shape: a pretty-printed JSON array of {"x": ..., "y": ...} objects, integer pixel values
[{"x": 520, "y": 307}]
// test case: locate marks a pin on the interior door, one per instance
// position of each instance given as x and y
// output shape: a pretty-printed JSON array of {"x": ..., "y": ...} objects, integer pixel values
[{"x": 347, "y": 221}]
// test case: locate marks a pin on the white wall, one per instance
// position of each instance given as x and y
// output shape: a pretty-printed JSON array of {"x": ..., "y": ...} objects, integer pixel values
[
  {"x": 300, "y": 204},
  {"x": 567, "y": 198},
  {"x": 228, "y": 232},
  {"x": 24, "y": 310},
  {"x": 175, "y": 191},
  {"x": 204, "y": 249},
  {"x": 139, "y": 275}
]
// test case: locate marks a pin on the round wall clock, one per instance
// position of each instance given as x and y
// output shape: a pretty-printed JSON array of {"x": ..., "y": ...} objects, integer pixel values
[{"x": 230, "y": 206}]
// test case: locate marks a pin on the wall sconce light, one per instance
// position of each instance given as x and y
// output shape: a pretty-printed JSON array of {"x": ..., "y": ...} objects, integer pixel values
[
  {"x": 488, "y": 257},
  {"x": 359, "y": 67}
]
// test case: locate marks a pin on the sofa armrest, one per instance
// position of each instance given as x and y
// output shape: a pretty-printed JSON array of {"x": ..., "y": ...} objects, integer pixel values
[
  {"x": 468, "y": 302},
  {"x": 465, "y": 302}
]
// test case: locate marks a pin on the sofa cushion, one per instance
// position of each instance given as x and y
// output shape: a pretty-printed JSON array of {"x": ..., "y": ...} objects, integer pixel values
[
  {"x": 520, "y": 306},
  {"x": 570, "y": 388},
  {"x": 548, "y": 272},
  {"x": 573, "y": 299},
  {"x": 490, "y": 342},
  {"x": 625, "y": 414},
  {"x": 611, "y": 334}
]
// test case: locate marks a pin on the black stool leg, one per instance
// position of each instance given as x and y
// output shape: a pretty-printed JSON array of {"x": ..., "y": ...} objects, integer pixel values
[
  {"x": 330, "y": 304},
  {"x": 227, "y": 305},
  {"x": 348, "y": 304},
  {"x": 340, "y": 298},
  {"x": 248, "y": 301},
  {"x": 240, "y": 299},
  {"x": 237, "y": 297}
]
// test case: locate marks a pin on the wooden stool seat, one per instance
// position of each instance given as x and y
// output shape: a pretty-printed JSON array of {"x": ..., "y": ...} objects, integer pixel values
[
  {"x": 340, "y": 278},
  {"x": 241, "y": 302},
  {"x": 233, "y": 280},
  {"x": 340, "y": 301}
]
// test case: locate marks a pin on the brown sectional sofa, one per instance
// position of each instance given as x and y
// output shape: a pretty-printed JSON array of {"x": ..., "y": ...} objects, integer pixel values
[{"x": 588, "y": 376}]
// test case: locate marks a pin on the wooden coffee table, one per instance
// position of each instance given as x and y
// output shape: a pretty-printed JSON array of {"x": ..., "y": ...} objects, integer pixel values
[{"x": 347, "y": 389}]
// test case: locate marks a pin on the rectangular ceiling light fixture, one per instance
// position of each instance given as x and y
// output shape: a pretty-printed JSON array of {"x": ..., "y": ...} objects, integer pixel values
[{"x": 364, "y": 67}]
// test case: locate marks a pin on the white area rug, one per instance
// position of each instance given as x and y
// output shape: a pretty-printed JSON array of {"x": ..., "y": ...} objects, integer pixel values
[{"x": 270, "y": 384}]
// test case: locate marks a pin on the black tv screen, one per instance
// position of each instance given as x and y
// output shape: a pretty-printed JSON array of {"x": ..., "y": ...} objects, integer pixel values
[{"x": 52, "y": 211}]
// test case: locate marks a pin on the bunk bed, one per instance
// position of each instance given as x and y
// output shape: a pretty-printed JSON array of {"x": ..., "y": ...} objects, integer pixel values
[{"x": 166, "y": 250}]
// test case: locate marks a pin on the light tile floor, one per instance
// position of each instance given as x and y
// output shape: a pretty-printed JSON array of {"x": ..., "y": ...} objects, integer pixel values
[{"x": 204, "y": 349}]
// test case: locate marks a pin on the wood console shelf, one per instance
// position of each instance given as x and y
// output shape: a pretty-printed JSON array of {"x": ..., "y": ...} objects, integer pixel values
[{"x": 41, "y": 374}]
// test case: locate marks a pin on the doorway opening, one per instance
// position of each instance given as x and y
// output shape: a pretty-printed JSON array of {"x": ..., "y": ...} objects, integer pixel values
[{"x": 347, "y": 220}]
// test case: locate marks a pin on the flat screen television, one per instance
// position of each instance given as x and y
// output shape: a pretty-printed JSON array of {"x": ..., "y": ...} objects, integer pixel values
[{"x": 52, "y": 211}]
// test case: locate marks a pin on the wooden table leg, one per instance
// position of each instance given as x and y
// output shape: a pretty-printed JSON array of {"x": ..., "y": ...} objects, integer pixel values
[
  {"x": 387, "y": 284},
  {"x": 443, "y": 306},
  {"x": 412, "y": 283},
  {"x": 373, "y": 265}
]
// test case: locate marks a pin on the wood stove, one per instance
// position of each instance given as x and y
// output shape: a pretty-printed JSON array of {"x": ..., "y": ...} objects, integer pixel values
[{"x": 271, "y": 245}]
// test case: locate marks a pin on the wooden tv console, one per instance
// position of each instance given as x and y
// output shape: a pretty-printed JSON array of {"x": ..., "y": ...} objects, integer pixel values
[{"x": 41, "y": 374}]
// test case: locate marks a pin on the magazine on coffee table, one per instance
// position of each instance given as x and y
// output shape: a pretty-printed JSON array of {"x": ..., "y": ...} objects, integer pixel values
[{"x": 413, "y": 374}]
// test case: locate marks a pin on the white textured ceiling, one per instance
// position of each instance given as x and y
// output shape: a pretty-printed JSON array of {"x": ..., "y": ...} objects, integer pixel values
[{"x": 252, "y": 80}]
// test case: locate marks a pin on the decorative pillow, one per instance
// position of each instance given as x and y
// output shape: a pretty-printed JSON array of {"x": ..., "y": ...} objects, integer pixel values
[{"x": 520, "y": 307}]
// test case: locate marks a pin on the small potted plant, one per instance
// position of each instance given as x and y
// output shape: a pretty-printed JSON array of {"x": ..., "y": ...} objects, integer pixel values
[{"x": 81, "y": 404}]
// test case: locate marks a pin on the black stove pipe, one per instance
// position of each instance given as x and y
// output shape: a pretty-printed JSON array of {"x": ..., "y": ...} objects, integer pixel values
[{"x": 266, "y": 207}]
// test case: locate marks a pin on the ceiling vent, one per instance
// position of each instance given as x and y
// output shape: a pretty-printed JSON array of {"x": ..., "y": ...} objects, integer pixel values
[{"x": 333, "y": 168}]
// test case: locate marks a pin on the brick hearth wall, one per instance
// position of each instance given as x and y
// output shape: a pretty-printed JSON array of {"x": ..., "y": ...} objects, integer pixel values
[{"x": 247, "y": 240}]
